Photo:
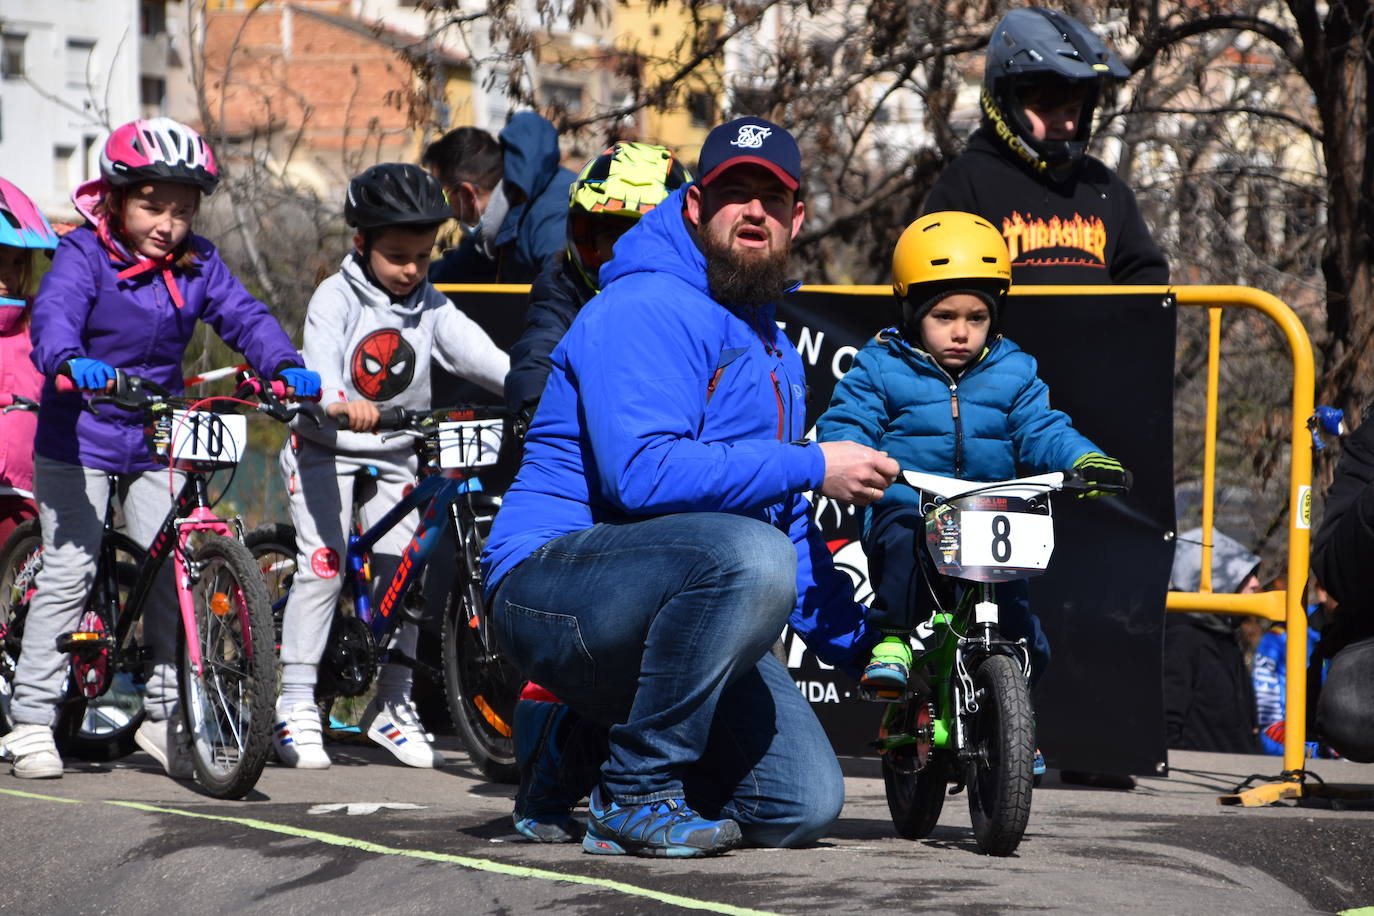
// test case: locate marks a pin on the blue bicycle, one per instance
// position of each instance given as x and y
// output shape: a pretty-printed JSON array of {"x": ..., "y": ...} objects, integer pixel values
[{"x": 480, "y": 685}]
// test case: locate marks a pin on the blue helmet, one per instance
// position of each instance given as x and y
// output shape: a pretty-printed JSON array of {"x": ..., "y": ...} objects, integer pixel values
[{"x": 1038, "y": 47}]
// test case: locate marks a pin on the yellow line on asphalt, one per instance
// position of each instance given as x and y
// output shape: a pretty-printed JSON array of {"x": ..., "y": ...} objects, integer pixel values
[{"x": 500, "y": 868}]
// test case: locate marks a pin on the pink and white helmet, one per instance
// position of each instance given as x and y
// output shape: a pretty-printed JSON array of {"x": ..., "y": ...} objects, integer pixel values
[
  {"x": 158, "y": 149},
  {"x": 21, "y": 225}
]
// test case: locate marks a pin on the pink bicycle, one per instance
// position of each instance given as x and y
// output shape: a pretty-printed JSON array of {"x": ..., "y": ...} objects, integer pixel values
[{"x": 226, "y": 658}]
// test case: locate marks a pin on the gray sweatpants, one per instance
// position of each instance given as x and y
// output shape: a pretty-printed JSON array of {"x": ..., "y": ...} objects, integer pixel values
[
  {"x": 71, "y": 509},
  {"x": 321, "y": 486}
]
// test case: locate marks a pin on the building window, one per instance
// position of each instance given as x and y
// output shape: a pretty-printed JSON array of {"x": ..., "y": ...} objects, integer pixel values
[
  {"x": 78, "y": 61},
  {"x": 702, "y": 109},
  {"x": 564, "y": 96},
  {"x": 152, "y": 18},
  {"x": 12, "y": 56},
  {"x": 88, "y": 155},
  {"x": 152, "y": 92},
  {"x": 62, "y": 167}
]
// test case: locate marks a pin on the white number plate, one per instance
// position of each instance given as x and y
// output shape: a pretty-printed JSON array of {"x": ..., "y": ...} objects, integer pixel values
[
  {"x": 201, "y": 436},
  {"x": 1020, "y": 540},
  {"x": 469, "y": 443}
]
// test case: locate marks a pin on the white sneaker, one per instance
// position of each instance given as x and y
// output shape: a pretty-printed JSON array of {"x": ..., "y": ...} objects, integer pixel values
[
  {"x": 298, "y": 738},
  {"x": 34, "y": 752},
  {"x": 174, "y": 755},
  {"x": 394, "y": 725}
]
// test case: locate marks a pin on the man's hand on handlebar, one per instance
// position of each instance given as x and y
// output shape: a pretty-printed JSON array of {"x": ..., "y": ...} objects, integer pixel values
[
  {"x": 855, "y": 473},
  {"x": 362, "y": 416}
]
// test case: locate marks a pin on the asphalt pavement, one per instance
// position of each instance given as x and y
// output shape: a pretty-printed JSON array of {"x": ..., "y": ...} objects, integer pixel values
[{"x": 371, "y": 836}]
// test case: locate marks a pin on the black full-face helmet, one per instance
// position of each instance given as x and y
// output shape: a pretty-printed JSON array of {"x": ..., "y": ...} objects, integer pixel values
[
  {"x": 395, "y": 194},
  {"x": 1040, "y": 48}
]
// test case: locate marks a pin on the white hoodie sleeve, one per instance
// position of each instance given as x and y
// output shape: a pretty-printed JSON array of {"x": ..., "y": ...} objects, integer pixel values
[{"x": 465, "y": 350}]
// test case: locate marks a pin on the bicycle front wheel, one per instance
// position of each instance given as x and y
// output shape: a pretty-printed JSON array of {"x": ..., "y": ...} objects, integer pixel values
[
  {"x": 482, "y": 687},
  {"x": 20, "y": 560},
  {"x": 1003, "y": 739},
  {"x": 228, "y": 705}
]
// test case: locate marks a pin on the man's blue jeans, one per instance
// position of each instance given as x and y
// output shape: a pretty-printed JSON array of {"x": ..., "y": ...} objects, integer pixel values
[{"x": 660, "y": 628}]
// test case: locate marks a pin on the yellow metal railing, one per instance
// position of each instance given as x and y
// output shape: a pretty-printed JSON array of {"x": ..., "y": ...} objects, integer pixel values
[{"x": 1281, "y": 605}]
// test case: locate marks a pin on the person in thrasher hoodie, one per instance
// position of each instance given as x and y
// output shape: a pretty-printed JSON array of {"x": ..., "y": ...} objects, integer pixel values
[
  {"x": 371, "y": 330},
  {"x": 1067, "y": 219}
]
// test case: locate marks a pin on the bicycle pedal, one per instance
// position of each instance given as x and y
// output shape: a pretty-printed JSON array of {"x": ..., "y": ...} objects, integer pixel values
[
  {"x": 83, "y": 642},
  {"x": 882, "y": 695}
]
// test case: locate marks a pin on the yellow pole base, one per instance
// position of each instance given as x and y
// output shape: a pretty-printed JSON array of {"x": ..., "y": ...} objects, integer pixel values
[{"x": 1258, "y": 796}]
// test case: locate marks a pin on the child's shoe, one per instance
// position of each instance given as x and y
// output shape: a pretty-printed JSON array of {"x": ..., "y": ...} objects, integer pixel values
[
  {"x": 34, "y": 752},
  {"x": 298, "y": 738},
  {"x": 1038, "y": 764},
  {"x": 662, "y": 828},
  {"x": 167, "y": 742},
  {"x": 394, "y": 725},
  {"x": 887, "y": 671}
]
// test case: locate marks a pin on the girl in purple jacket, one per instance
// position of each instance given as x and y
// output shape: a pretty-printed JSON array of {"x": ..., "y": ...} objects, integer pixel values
[{"x": 125, "y": 291}]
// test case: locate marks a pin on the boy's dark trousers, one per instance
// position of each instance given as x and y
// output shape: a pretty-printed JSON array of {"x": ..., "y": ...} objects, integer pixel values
[{"x": 901, "y": 600}]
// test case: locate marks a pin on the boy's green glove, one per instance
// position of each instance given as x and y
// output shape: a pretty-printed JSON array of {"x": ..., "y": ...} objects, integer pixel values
[{"x": 1096, "y": 467}]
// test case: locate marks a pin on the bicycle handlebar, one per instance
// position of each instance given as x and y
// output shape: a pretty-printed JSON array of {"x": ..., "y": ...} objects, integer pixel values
[
  {"x": 10, "y": 402},
  {"x": 134, "y": 393}
]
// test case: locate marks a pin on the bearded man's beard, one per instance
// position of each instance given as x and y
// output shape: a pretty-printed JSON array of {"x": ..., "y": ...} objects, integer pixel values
[{"x": 744, "y": 278}]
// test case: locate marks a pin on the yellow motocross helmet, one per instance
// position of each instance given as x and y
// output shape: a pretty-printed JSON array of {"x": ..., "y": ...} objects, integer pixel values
[{"x": 945, "y": 252}]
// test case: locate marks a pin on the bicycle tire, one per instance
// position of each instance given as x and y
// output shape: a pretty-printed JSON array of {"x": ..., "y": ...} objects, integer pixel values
[
  {"x": 999, "y": 776},
  {"x": 273, "y": 546},
  {"x": 16, "y": 589},
  {"x": 228, "y": 708},
  {"x": 482, "y": 689},
  {"x": 915, "y": 793},
  {"x": 98, "y": 730}
]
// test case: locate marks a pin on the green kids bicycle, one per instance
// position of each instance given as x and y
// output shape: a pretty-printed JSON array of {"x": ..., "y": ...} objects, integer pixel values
[{"x": 966, "y": 718}]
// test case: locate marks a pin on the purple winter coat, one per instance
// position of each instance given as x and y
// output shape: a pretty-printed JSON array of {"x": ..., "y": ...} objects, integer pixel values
[{"x": 84, "y": 309}]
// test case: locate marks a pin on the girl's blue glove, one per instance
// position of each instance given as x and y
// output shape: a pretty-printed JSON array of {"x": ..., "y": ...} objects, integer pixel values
[
  {"x": 88, "y": 374},
  {"x": 305, "y": 381}
]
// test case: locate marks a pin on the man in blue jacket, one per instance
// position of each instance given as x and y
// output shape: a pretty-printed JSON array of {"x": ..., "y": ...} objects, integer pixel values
[
  {"x": 658, "y": 535},
  {"x": 511, "y": 197}
]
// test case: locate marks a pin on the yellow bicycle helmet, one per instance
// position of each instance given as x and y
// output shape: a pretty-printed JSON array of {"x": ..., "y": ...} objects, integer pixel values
[
  {"x": 948, "y": 252},
  {"x": 615, "y": 189}
]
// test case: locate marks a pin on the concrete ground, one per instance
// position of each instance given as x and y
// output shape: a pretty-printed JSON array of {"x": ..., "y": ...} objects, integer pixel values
[{"x": 368, "y": 836}]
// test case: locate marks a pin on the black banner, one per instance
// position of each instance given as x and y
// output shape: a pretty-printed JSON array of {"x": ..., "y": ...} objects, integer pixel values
[{"x": 1108, "y": 361}]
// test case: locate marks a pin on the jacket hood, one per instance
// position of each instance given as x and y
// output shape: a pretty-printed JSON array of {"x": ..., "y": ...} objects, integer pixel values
[
  {"x": 1231, "y": 562},
  {"x": 373, "y": 296},
  {"x": 530, "y": 156},
  {"x": 660, "y": 242}
]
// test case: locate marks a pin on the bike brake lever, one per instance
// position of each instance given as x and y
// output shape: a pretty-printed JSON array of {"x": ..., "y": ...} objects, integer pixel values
[{"x": 403, "y": 432}]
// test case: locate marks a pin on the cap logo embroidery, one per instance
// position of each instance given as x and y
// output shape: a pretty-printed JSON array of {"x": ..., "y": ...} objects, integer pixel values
[{"x": 751, "y": 136}]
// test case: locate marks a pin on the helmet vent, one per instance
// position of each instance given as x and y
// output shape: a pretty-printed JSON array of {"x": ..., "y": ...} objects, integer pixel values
[{"x": 937, "y": 262}]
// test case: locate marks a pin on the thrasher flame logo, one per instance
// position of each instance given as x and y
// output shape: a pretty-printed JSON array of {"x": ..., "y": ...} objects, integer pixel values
[
  {"x": 751, "y": 136},
  {"x": 1028, "y": 236}
]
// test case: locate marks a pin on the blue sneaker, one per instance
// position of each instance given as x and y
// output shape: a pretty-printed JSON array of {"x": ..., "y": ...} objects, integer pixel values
[
  {"x": 662, "y": 828},
  {"x": 1038, "y": 764},
  {"x": 544, "y": 801},
  {"x": 885, "y": 677}
]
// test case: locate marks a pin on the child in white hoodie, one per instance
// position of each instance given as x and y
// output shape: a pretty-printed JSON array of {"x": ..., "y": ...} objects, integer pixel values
[{"x": 370, "y": 331}]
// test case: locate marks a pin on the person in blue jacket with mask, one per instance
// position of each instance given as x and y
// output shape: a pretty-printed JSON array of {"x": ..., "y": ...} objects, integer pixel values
[
  {"x": 658, "y": 535},
  {"x": 511, "y": 196}
]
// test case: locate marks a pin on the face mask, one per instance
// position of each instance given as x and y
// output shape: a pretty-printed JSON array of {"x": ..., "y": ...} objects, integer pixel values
[{"x": 11, "y": 311}]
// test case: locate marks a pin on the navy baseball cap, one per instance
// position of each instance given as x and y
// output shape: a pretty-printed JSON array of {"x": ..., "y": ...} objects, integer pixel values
[{"x": 751, "y": 140}]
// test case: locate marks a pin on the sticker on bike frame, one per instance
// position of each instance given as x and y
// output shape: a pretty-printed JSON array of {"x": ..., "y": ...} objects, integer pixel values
[
  {"x": 199, "y": 439},
  {"x": 469, "y": 443},
  {"x": 989, "y": 545}
]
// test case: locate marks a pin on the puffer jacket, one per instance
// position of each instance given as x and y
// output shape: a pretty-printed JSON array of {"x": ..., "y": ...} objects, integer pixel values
[
  {"x": 992, "y": 423},
  {"x": 688, "y": 406}
]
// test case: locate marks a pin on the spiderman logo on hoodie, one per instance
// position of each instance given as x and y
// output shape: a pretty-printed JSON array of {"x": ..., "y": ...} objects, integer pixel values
[{"x": 383, "y": 365}]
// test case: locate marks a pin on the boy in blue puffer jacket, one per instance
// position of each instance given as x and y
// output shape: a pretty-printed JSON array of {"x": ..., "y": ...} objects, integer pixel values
[{"x": 946, "y": 394}]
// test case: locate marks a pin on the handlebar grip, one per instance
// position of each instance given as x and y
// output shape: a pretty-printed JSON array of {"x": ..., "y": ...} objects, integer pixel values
[
  {"x": 64, "y": 384},
  {"x": 393, "y": 417}
]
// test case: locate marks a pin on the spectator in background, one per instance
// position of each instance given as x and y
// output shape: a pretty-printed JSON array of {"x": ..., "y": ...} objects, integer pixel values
[
  {"x": 510, "y": 194},
  {"x": 1341, "y": 560},
  {"x": 1269, "y": 671},
  {"x": 1026, "y": 168},
  {"x": 1209, "y": 704}
]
